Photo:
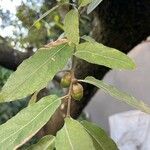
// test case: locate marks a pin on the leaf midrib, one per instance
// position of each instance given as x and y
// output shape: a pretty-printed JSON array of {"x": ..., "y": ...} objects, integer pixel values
[
  {"x": 101, "y": 56},
  {"x": 137, "y": 106},
  {"x": 49, "y": 144},
  {"x": 30, "y": 121},
  {"x": 12, "y": 91},
  {"x": 68, "y": 137},
  {"x": 94, "y": 137}
]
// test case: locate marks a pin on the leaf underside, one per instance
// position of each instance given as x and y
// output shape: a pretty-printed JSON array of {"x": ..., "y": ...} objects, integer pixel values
[
  {"x": 116, "y": 93},
  {"x": 73, "y": 137},
  {"x": 34, "y": 73},
  {"x": 27, "y": 122},
  {"x": 71, "y": 26},
  {"x": 99, "y": 54},
  {"x": 101, "y": 140}
]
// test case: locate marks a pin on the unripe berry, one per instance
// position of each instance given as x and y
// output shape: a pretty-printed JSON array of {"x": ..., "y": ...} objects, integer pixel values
[
  {"x": 77, "y": 91},
  {"x": 66, "y": 80}
]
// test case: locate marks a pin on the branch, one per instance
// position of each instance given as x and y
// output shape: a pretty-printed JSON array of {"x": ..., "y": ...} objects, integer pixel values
[
  {"x": 122, "y": 31},
  {"x": 112, "y": 30},
  {"x": 9, "y": 57}
]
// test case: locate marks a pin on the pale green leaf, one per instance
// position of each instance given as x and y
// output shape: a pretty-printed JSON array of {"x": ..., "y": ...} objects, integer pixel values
[
  {"x": 46, "y": 143},
  {"x": 63, "y": 1},
  {"x": 84, "y": 3},
  {"x": 116, "y": 93},
  {"x": 71, "y": 26},
  {"x": 96, "y": 53},
  {"x": 34, "y": 73},
  {"x": 73, "y": 137},
  {"x": 88, "y": 38},
  {"x": 27, "y": 122},
  {"x": 93, "y": 5},
  {"x": 101, "y": 140}
]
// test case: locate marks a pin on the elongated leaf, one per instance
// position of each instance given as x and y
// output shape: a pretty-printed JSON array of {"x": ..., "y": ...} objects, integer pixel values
[
  {"x": 116, "y": 93},
  {"x": 73, "y": 137},
  {"x": 100, "y": 138},
  {"x": 27, "y": 123},
  {"x": 45, "y": 14},
  {"x": 71, "y": 26},
  {"x": 99, "y": 54},
  {"x": 88, "y": 39},
  {"x": 34, "y": 73},
  {"x": 46, "y": 143},
  {"x": 84, "y": 3},
  {"x": 93, "y": 5}
]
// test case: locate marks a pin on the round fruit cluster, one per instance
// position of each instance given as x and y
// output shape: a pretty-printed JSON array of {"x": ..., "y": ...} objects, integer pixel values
[{"x": 76, "y": 89}]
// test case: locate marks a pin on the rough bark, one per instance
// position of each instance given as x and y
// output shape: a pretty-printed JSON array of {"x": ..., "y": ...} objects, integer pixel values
[{"x": 119, "y": 24}]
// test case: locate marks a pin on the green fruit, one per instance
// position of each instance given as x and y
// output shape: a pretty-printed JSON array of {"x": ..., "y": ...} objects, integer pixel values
[
  {"x": 66, "y": 80},
  {"x": 77, "y": 91}
]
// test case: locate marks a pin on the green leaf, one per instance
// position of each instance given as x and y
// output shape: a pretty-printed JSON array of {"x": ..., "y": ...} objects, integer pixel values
[
  {"x": 27, "y": 123},
  {"x": 99, "y": 54},
  {"x": 100, "y": 138},
  {"x": 71, "y": 26},
  {"x": 73, "y": 137},
  {"x": 34, "y": 73},
  {"x": 116, "y": 93},
  {"x": 93, "y": 5},
  {"x": 88, "y": 39},
  {"x": 46, "y": 143},
  {"x": 84, "y": 3},
  {"x": 44, "y": 15}
]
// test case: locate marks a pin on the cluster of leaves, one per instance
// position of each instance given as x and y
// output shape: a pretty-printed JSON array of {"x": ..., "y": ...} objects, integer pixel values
[{"x": 34, "y": 74}]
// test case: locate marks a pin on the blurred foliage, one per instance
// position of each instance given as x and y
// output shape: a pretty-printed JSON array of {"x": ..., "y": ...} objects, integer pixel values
[{"x": 48, "y": 29}]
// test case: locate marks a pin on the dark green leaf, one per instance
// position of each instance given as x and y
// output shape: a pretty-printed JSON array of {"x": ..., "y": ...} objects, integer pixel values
[
  {"x": 27, "y": 123},
  {"x": 101, "y": 140},
  {"x": 34, "y": 73},
  {"x": 116, "y": 93},
  {"x": 99, "y": 54}
]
